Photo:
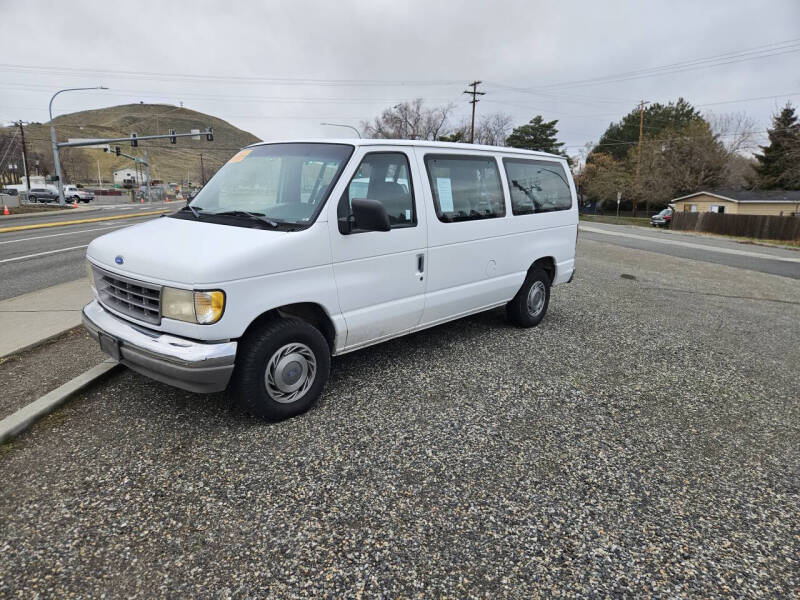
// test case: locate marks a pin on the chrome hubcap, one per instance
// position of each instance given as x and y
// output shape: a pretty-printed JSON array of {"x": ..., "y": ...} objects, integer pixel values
[
  {"x": 290, "y": 373},
  {"x": 536, "y": 297}
]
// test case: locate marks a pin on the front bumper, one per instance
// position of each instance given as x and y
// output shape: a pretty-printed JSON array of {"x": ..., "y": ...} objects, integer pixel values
[{"x": 194, "y": 366}]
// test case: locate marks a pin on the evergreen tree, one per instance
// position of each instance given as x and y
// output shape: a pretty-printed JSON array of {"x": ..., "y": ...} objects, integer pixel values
[
  {"x": 619, "y": 137},
  {"x": 537, "y": 134},
  {"x": 778, "y": 164}
]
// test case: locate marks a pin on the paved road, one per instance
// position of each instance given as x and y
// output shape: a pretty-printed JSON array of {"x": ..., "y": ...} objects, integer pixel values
[
  {"x": 91, "y": 212},
  {"x": 641, "y": 443},
  {"x": 38, "y": 258},
  {"x": 765, "y": 259}
]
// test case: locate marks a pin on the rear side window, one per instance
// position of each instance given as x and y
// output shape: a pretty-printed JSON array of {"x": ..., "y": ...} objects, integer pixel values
[
  {"x": 465, "y": 188},
  {"x": 537, "y": 186},
  {"x": 385, "y": 177}
]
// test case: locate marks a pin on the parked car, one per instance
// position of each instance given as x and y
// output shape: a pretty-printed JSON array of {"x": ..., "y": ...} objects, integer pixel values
[
  {"x": 662, "y": 219},
  {"x": 42, "y": 195},
  {"x": 295, "y": 252},
  {"x": 74, "y": 193}
]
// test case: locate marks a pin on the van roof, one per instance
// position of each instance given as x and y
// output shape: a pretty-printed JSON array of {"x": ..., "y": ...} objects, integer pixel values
[{"x": 419, "y": 143}]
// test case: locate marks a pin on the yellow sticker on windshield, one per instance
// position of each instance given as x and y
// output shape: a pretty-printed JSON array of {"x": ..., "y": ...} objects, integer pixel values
[{"x": 240, "y": 156}]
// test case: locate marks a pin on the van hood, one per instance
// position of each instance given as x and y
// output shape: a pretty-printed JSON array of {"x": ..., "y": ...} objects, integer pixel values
[{"x": 189, "y": 252}]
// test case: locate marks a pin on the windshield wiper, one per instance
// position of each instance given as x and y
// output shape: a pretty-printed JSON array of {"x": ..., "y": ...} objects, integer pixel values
[
  {"x": 193, "y": 209},
  {"x": 243, "y": 213}
]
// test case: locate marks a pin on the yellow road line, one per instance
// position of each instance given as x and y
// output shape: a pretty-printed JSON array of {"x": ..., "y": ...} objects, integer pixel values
[{"x": 78, "y": 221}]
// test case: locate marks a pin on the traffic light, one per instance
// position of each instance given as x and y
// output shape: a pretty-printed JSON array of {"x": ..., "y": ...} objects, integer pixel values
[
  {"x": 134, "y": 141},
  {"x": 172, "y": 138},
  {"x": 116, "y": 150},
  {"x": 210, "y": 134}
]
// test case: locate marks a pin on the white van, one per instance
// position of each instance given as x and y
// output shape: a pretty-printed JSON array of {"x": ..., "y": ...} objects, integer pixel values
[{"x": 295, "y": 252}]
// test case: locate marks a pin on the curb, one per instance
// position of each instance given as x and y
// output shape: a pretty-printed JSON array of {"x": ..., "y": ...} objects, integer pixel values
[
  {"x": 42, "y": 341},
  {"x": 79, "y": 221},
  {"x": 26, "y": 416},
  {"x": 37, "y": 343}
]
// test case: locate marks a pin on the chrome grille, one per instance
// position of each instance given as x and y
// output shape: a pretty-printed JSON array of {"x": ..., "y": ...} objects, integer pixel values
[{"x": 134, "y": 298}]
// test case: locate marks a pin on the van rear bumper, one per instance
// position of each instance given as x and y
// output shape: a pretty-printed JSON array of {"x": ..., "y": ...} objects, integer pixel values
[{"x": 194, "y": 366}]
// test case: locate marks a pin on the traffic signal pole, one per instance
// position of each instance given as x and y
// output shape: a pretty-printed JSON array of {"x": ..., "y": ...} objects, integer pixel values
[
  {"x": 147, "y": 176},
  {"x": 134, "y": 139}
]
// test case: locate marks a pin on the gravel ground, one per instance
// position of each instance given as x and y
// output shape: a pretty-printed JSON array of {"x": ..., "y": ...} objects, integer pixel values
[
  {"x": 29, "y": 375},
  {"x": 642, "y": 442}
]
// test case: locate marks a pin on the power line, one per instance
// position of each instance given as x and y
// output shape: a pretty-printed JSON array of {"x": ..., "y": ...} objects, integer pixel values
[
  {"x": 766, "y": 51},
  {"x": 224, "y": 78}
]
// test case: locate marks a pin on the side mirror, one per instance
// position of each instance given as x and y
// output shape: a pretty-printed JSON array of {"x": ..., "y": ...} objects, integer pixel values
[{"x": 369, "y": 215}]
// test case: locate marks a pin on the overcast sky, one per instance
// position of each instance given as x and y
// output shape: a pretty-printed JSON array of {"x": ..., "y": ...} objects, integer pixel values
[{"x": 345, "y": 60}]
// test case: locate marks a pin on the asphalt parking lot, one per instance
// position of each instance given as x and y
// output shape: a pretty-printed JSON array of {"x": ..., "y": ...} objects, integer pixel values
[{"x": 643, "y": 441}]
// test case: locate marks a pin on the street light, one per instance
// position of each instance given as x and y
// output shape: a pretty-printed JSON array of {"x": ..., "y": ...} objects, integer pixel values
[
  {"x": 358, "y": 133},
  {"x": 56, "y": 162}
]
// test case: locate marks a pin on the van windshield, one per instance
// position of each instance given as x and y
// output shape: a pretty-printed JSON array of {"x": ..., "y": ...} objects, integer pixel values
[{"x": 285, "y": 183}]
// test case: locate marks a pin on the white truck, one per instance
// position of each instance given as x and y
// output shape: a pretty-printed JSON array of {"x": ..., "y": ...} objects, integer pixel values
[
  {"x": 296, "y": 252},
  {"x": 74, "y": 193}
]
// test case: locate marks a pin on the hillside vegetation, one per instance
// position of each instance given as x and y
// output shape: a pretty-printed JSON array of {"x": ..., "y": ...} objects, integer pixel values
[{"x": 168, "y": 162}]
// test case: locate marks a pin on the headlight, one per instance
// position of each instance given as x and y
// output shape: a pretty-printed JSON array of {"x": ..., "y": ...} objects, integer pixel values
[
  {"x": 193, "y": 307},
  {"x": 208, "y": 306}
]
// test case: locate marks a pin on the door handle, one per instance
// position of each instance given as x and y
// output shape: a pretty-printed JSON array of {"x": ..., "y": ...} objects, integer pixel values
[{"x": 420, "y": 265}]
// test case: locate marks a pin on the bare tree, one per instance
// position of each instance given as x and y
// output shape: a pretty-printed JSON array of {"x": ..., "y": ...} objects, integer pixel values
[
  {"x": 736, "y": 131},
  {"x": 410, "y": 120},
  {"x": 737, "y": 134},
  {"x": 493, "y": 129}
]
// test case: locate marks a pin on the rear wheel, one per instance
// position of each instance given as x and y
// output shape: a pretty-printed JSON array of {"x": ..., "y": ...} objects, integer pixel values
[
  {"x": 529, "y": 306},
  {"x": 32, "y": 199},
  {"x": 281, "y": 369}
]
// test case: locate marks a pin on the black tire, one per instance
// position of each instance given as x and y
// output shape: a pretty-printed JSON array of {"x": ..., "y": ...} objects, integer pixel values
[
  {"x": 248, "y": 384},
  {"x": 32, "y": 199},
  {"x": 523, "y": 313}
]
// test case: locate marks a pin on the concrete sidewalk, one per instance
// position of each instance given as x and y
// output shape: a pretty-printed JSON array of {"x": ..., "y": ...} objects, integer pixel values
[{"x": 29, "y": 319}]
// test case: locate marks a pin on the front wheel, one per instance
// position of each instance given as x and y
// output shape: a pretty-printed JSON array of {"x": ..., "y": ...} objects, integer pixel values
[
  {"x": 529, "y": 306},
  {"x": 281, "y": 369},
  {"x": 32, "y": 199}
]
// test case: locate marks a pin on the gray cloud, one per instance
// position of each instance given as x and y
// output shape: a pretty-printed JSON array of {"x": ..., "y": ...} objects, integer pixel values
[{"x": 435, "y": 47}]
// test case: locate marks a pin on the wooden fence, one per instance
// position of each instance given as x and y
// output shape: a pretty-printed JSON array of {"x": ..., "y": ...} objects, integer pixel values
[{"x": 754, "y": 226}]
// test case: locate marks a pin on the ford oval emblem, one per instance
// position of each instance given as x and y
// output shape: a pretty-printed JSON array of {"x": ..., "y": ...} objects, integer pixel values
[{"x": 119, "y": 260}]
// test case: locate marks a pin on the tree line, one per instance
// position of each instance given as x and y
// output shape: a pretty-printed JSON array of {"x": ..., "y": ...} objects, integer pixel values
[
  {"x": 415, "y": 121},
  {"x": 682, "y": 151}
]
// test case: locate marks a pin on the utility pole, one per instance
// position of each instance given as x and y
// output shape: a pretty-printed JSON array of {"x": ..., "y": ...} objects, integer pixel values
[
  {"x": 24, "y": 156},
  {"x": 638, "y": 157},
  {"x": 99, "y": 179},
  {"x": 474, "y": 93},
  {"x": 202, "y": 171}
]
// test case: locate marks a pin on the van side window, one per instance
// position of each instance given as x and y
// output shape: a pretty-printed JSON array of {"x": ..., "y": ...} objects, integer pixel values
[
  {"x": 385, "y": 177},
  {"x": 465, "y": 188},
  {"x": 537, "y": 186}
]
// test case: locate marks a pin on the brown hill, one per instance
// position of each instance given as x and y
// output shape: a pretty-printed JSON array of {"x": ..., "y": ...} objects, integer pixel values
[{"x": 178, "y": 162}]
